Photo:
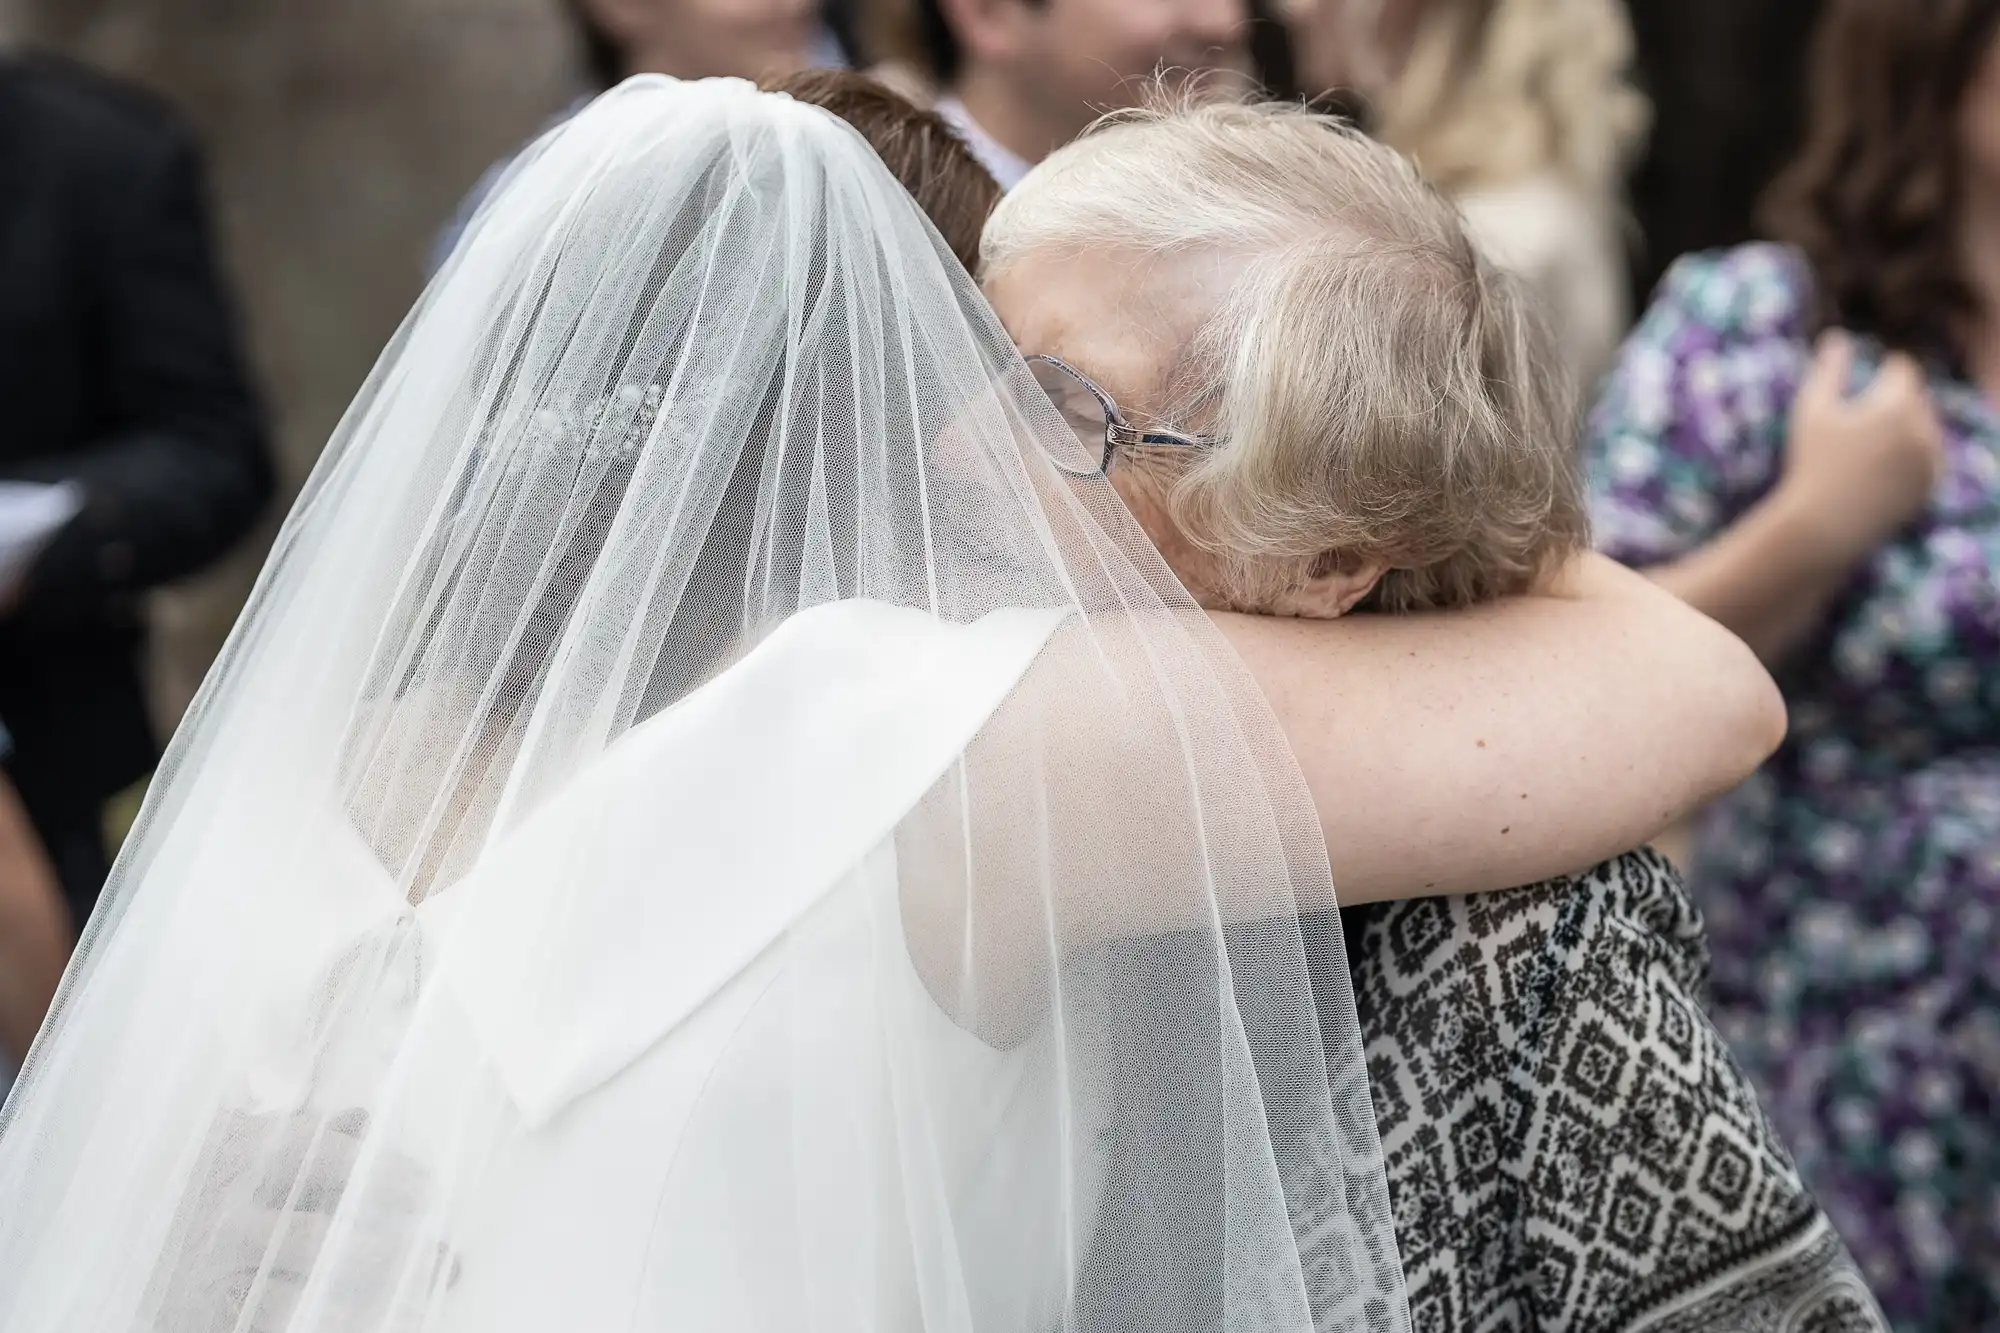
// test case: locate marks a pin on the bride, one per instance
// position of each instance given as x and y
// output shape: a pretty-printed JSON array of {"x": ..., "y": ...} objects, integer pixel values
[{"x": 646, "y": 857}]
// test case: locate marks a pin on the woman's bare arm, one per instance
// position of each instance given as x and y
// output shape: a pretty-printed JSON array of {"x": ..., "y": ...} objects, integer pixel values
[
  {"x": 35, "y": 932},
  {"x": 1483, "y": 749},
  {"x": 1760, "y": 579}
]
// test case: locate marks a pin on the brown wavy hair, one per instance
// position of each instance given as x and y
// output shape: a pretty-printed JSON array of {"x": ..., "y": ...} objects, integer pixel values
[
  {"x": 917, "y": 145},
  {"x": 1872, "y": 199}
]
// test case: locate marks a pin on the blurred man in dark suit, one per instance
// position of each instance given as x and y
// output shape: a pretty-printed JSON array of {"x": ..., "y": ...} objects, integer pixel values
[{"x": 120, "y": 377}]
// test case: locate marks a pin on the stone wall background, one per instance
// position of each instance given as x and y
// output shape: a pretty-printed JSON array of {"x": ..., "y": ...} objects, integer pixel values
[{"x": 340, "y": 134}]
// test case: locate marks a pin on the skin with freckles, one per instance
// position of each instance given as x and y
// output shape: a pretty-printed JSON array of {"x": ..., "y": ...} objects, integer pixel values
[{"x": 1446, "y": 752}]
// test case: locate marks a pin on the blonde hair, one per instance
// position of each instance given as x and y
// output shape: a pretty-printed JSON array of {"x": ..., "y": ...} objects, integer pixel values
[
  {"x": 1495, "y": 91},
  {"x": 1385, "y": 392}
]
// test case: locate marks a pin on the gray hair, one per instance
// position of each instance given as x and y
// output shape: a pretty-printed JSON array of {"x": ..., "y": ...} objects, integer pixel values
[{"x": 1386, "y": 391}]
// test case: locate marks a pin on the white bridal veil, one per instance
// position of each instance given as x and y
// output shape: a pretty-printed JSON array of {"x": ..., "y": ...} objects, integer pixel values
[{"x": 703, "y": 827}]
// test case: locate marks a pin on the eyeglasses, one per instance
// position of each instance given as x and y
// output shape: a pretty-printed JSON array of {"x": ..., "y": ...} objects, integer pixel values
[{"x": 1100, "y": 428}]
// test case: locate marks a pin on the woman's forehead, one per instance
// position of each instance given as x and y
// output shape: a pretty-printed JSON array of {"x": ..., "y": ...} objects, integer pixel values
[{"x": 1120, "y": 319}]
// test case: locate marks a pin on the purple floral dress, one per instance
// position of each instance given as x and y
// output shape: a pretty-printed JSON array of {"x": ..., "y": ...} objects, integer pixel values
[{"x": 1852, "y": 888}]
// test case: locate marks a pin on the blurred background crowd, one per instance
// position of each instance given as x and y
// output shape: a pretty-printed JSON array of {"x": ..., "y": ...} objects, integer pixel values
[{"x": 214, "y": 213}]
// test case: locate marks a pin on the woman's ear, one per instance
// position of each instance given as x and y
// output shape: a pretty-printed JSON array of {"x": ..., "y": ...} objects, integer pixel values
[{"x": 1329, "y": 596}]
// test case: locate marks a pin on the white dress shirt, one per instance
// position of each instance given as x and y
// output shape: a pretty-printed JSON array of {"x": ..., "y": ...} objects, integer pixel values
[{"x": 1003, "y": 163}]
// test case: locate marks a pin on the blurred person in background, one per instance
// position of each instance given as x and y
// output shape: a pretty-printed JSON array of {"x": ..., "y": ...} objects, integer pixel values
[
  {"x": 1801, "y": 439},
  {"x": 700, "y": 39},
  {"x": 1522, "y": 112},
  {"x": 121, "y": 380},
  {"x": 688, "y": 39},
  {"x": 1021, "y": 78}
]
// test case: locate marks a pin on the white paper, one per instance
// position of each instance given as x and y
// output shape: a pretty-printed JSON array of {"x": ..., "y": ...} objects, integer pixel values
[{"x": 31, "y": 513}]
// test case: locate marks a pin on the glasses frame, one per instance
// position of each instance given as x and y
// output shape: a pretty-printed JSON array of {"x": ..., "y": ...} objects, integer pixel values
[{"x": 1118, "y": 432}]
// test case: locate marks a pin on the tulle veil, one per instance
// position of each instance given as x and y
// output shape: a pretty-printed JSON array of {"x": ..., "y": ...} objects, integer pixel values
[{"x": 704, "y": 826}]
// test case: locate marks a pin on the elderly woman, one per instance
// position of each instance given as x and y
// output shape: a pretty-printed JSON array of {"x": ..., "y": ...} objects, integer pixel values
[
  {"x": 1801, "y": 440},
  {"x": 1569, "y": 1143}
]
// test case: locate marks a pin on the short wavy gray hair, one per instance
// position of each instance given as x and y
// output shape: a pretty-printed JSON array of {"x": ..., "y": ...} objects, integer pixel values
[{"x": 1386, "y": 391}]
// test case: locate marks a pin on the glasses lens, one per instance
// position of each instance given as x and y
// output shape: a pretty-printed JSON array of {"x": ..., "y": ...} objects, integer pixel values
[{"x": 1081, "y": 448}]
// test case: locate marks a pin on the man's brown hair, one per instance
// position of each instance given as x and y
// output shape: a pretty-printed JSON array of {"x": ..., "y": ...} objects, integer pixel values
[{"x": 918, "y": 146}]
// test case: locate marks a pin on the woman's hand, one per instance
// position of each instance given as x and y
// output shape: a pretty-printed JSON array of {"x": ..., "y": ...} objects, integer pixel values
[
  {"x": 1858, "y": 469},
  {"x": 255, "y": 1224}
]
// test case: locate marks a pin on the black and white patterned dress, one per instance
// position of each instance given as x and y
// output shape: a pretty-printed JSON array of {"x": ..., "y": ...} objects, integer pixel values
[{"x": 1570, "y": 1147}]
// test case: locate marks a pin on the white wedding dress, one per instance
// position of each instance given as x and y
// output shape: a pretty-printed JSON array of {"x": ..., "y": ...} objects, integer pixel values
[{"x": 743, "y": 871}]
